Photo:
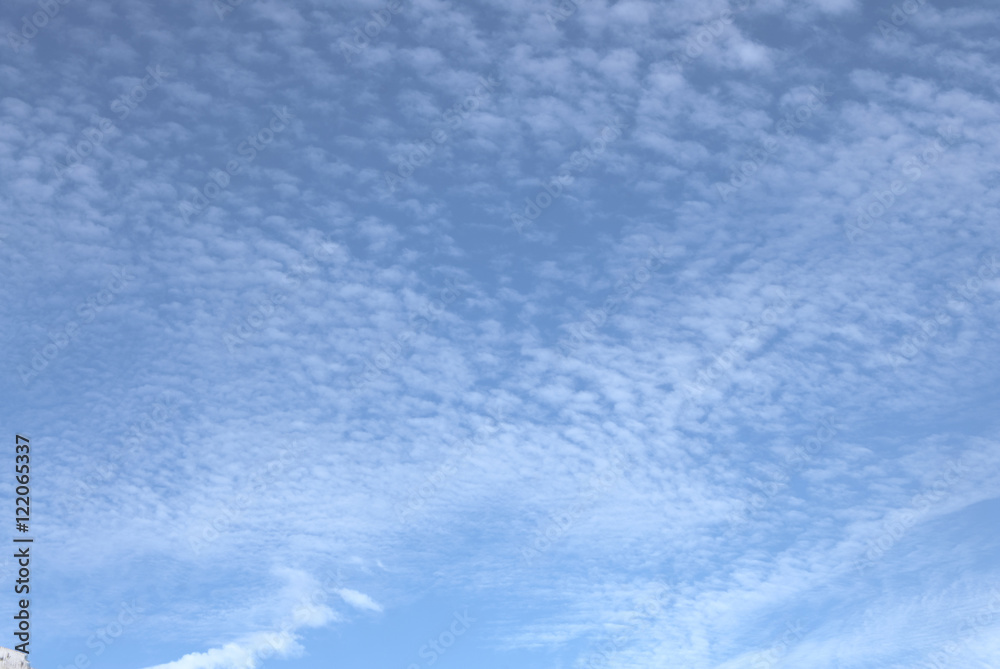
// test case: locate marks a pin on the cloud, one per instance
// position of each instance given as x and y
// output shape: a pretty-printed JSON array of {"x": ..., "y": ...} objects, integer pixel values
[
  {"x": 303, "y": 596},
  {"x": 359, "y": 600},
  {"x": 248, "y": 653},
  {"x": 157, "y": 430}
]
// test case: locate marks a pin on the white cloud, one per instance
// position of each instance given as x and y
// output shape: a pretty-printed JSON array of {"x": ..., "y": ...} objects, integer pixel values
[
  {"x": 360, "y": 452},
  {"x": 248, "y": 653},
  {"x": 359, "y": 600}
]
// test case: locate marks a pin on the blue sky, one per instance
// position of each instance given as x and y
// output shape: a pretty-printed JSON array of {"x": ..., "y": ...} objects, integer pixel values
[{"x": 521, "y": 334}]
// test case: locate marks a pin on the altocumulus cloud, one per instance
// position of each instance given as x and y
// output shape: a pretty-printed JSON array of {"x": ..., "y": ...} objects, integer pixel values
[{"x": 814, "y": 141}]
